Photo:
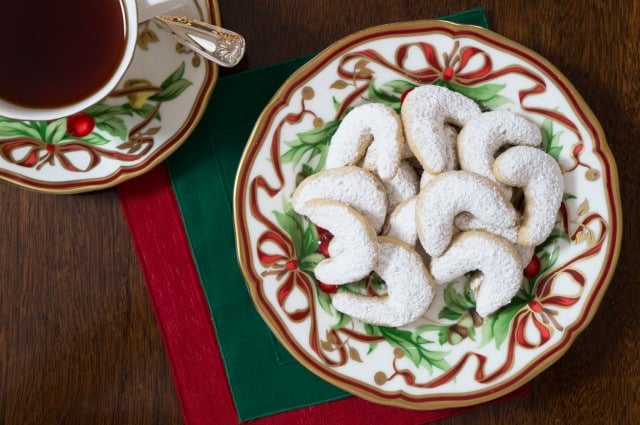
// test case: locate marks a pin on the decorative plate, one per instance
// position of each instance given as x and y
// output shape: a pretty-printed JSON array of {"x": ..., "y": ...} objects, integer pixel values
[
  {"x": 152, "y": 111},
  {"x": 450, "y": 357}
]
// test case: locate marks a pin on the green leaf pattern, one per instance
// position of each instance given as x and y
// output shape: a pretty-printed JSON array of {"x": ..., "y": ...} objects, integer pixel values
[{"x": 108, "y": 118}]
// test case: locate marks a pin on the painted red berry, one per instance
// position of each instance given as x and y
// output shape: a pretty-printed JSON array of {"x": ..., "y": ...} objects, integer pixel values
[
  {"x": 50, "y": 148},
  {"x": 533, "y": 267},
  {"x": 327, "y": 288},
  {"x": 404, "y": 95},
  {"x": 80, "y": 124},
  {"x": 324, "y": 237},
  {"x": 447, "y": 74}
]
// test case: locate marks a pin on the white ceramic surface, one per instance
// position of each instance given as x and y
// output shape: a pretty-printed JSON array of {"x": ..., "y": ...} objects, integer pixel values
[{"x": 449, "y": 357}]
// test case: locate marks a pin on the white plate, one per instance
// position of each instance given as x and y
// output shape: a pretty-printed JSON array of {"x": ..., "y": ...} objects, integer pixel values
[{"x": 445, "y": 359}]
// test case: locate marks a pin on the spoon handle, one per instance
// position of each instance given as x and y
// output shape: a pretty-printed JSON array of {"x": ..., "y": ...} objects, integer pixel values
[{"x": 219, "y": 45}]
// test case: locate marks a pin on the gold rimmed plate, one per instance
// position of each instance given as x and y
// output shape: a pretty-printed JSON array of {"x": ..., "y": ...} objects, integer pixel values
[
  {"x": 449, "y": 357},
  {"x": 152, "y": 111}
]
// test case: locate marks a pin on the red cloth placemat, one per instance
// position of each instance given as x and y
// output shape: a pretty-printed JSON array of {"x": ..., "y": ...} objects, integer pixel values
[{"x": 182, "y": 313}]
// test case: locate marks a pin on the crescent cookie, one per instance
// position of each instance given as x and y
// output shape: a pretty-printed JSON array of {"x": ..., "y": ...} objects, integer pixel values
[
  {"x": 494, "y": 257},
  {"x": 402, "y": 186},
  {"x": 486, "y": 133},
  {"x": 401, "y": 223},
  {"x": 409, "y": 288},
  {"x": 454, "y": 192},
  {"x": 373, "y": 131},
  {"x": 353, "y": 250},
  {"x": 426, "y": 111},
  {"x": 351, "y": 185},
  {"x": 465, "y": 221},
  {"x": 540, "y": 177}
]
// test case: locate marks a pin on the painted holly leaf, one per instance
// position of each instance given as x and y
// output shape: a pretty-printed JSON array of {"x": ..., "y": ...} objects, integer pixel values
[
  {"x": 55, "y": 131},
  {"x": 442, "y": 331},
  {"x": 311, "y": 144},
  {"x": 412, "y": 345},
  {"x": 379, "y": 95},
  {"x": 548, "y": 259},
  {"x": 173, "y": 86},
  {"x": 556, "y": 234},
  {"x": 487, "y": 95},
  {"x": 496, "y": 326},
  {"x": 343, "y": 321},
  {"x": 399, "y": 86},
  {"x": 115, "y": 127},
  {"x": 550, "y": 140},
  {"x": 145, "y": 110},
  {"x": 336, "y": 104},
  {"x": 324, "y": 300},
  {"x": 10, "y": 128},
  {"x": 292, "y": 224},
  {"x": 95, "y": 139},
  {"x": 371, "y": 285},
  {"x": 108, "y": 118},
  {"x": 457, "y": 303}
]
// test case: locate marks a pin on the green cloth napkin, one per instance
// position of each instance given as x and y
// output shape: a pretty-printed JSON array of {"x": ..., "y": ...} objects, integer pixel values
[{"x": 264, "y": 378}]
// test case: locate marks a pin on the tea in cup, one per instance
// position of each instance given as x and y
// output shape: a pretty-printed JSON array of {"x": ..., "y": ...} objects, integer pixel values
[{"x": 60, "y": 57}]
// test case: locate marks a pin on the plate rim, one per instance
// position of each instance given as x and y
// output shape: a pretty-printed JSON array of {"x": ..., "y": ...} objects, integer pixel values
[
  {"x": 124, "y": 173},
  {"x": 601, "y": 148}
]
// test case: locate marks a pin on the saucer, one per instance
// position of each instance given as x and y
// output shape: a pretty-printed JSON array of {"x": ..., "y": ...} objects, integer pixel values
[
  {"x": 450, "y": 356},
  {"x": 151, "y": 112}
]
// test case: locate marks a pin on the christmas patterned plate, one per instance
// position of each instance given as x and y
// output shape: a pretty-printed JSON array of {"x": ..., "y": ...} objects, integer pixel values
[
  {"x": 152, "y": 111},
  {"x": 451, "y": 356}
]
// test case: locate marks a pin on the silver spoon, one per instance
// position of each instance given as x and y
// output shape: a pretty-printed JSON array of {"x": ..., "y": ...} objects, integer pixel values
[{"x": 219, "y": 45}]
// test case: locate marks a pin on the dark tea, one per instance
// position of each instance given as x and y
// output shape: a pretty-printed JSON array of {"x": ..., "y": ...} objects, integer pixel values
[{"x": 57, "y": 52}]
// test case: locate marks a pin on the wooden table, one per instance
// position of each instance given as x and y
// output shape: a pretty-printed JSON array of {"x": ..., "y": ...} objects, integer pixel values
[{"x": 78, "y": 340}]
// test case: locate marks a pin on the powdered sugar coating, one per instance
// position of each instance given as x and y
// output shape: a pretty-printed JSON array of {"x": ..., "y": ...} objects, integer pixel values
[
  {"x": 451, "y": 193},
  {"x": 401, "y": 223},
  {"x": 494, "y": 257},
  {"x": 409, "y": 288},
  {"x": 540, "y": 177},
  {"x": 351, "y": 185},
  {"x": 372, "y": 130},
  {"x": 484, "y": 134},
  {"x": 402, "y": 186},
  {"x": 353, "y": 249},
  {"x": 426, "y": 178},
  {"x": 426, "y": 111},
  {"x": 465, "y": 221}
]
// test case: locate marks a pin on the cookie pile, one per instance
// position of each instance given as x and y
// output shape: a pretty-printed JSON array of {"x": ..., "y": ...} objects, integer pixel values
[{"x": 424, "y": 197}]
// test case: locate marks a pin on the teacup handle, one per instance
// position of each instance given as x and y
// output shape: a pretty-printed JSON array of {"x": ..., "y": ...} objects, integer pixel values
[{"x": 219, "y": 45}]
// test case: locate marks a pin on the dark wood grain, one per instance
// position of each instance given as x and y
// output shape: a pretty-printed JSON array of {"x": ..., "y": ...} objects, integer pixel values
[{"x": 78, "y": 340}]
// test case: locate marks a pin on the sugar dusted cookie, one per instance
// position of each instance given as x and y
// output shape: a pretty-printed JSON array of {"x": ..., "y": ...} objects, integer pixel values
[
  {"x": 452, "y": 193},
  {"x": 372, "y": 131},
  {"x": 486, "y": 133},
  {"x": 401, "y": 223},
  {"x": 409, "y": 286},
  {"x": 426, "y": 178},
  {"x": 351, "y": 185},
  {"x": 402, "y": 186},
  {"x": 540, "y": 177},
  {"x": 495, "y": 258},
  {"x": 353, "y": 250},
  {"x": 426, "y": 113},
  {"x": 465, "y": 221}
]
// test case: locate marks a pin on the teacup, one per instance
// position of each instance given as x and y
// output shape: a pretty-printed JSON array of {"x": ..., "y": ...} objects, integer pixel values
[{"x": 63, "y": 56}]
